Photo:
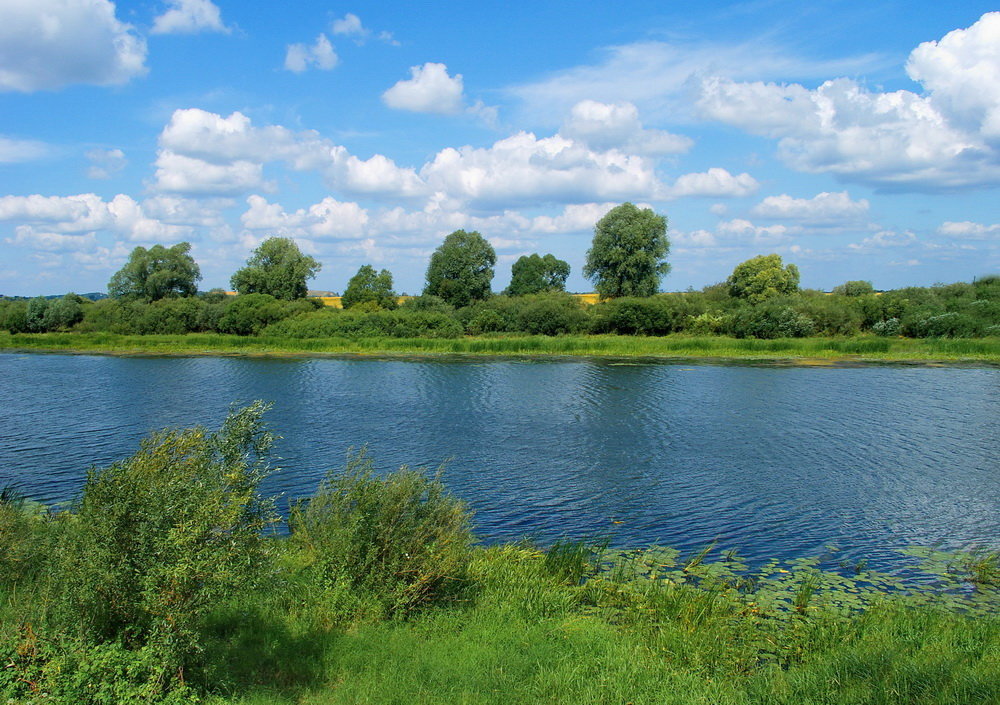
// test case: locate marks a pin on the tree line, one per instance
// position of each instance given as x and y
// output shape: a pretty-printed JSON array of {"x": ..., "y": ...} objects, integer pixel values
[{"x": 156, "y": 292}]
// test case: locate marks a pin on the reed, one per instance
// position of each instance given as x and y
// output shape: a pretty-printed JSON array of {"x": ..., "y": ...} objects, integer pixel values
[{"x": 671, "y": 346}]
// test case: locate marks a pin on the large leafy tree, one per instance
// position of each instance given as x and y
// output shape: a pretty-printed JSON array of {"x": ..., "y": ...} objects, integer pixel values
[
  {"x": 628, "y": 254},
  {"x": 156, "y": 273},
  {"x": 533, "y": 274},
  {"x": 461, "y": 269},
  {"x": 763, "y": 278},
  {"x": 367, "y": 286},
  {"x": 277, "y": 267}
]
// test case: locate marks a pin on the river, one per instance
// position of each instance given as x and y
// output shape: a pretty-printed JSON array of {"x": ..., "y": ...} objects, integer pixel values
[{"x": 776, "y": 461}]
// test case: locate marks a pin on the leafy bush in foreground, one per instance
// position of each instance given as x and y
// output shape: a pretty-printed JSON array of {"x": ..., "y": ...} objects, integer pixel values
[
  {"x": 160, "y": 537},
  {"x": 401, "y": 538}
]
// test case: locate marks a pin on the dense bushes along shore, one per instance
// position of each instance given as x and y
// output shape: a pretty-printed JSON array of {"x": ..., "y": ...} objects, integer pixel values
[
  {"x": 960, "y": 310},
  {"x": 166, "y": 583}
]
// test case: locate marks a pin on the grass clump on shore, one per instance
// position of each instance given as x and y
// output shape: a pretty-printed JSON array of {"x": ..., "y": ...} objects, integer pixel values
[{"x": 162, "y": 584}]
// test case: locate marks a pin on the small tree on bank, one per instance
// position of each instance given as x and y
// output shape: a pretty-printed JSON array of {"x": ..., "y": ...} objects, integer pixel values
[
  {"x": 763, "y": 278},
  {"x": 156, "y": 273},
  {"x": 534, "y": 274},
  {"x": 368, "y": 287},
  {"x": 461, "y": 269},
  {"x": 278, "y": 268},
  {"x": 628, "y": 254}
]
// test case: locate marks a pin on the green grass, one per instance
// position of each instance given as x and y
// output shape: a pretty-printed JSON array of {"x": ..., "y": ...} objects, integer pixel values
[
  {"x": 583, "y": 626},
  {"x": 526, "y": 634},
  {"x": 672, "y": 346}
]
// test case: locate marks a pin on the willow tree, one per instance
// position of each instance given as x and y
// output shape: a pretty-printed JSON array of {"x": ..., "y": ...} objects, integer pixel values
[
  {"x": 763, "y": 278},
  {"x": 534, "y": 274},
  {"x": 628, "y": 253},
  {"x": 461, "y": 269},
  {"x": 156, "y": 273},
  {"x": 277, "y": 267}
]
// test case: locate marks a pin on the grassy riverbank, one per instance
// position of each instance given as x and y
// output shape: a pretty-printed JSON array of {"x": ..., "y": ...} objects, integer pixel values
[
  {"x": 670, "y": 346},
  {"x": 164, "y": 584}
]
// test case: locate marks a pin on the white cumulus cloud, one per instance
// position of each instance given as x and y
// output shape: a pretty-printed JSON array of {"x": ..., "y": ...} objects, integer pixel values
[
  {"x": 967, "y": 230},
  {"x": 428, "y": 90},
  {"x": 348, "y": 24},
  {"x": 822, "y": 209},
  {"x": 714, "y": 183},
  {"x": 189, "y": 17},
  {"x": 105, "y": 163},
  {"x": 48, "y": 44},
  {"x": 617, "y": 126},
  {"x": 944, "y": 138},
  {"x": 15, "y": 150},
  {"x": 321, "y": 55},
  {"x": 328, "y": 219},
  {"x": 885, "y": 239},
  {"x": 52, "y": 222},
  {"x": 523, "y": 168},
  {"x": 178, "y": 173}
]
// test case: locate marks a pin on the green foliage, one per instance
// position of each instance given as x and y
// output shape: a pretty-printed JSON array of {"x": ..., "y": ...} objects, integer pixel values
[
  {"x": 887, "y": 328},
  {"x": 35, "y": 314},
  {"x": 368, "y": 287},
  {"x": 461, "y": 269},
  {"x": 14, "y": 316},
  {"x": 535, "y": 274},
  {"x": 854, "y": 288},
  {"x": 276, "y": 268},
  {"x": 357, "y": 323},
  {"x": 156, "y": 273},
  {"x": 65, "y": 312},
  {"x": 769, "y": 321},
  {"x": 160, "y": 537},
  {"x": 402, "y": 537},
  {"x": 763, "y": 278},
  {"x": 627, "y": 257},
  {"x": 654, "y": 315},
  {"x": 24, "y": 535},
  {"x": 249, "y": 314},
  {"x": 428, "y": 303},
  {"x": 831, "y": 315},
  {"x": 550, "y": 314},
  {"x": 72, "y": 672}
]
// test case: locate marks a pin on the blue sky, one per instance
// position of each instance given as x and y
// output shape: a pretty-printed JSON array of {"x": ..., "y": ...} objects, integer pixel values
[{"x": 857, "y": 140}]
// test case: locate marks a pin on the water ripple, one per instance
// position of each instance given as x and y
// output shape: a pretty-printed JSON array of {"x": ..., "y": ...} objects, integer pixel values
[{"x": 776, "y": 461}]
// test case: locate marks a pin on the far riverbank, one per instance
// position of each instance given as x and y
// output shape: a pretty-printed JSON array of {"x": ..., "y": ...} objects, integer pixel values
[{"x": 815, "y": 350}]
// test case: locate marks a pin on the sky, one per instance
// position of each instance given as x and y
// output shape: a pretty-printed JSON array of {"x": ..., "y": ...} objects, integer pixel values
[{"x": 856, "y": 140}]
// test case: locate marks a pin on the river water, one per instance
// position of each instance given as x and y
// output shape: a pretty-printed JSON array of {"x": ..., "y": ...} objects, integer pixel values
[{"x": 776, "y": 461}]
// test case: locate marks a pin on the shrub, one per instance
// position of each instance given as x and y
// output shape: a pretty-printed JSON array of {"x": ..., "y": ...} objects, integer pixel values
[
  {"x": 162, "y": 535},
  {"x": 653, "y": 315},
  {"x": 550, "y": 314},
  {"x": 854, "y": 288},
  {"x": 22, "y": 537},
  {"x": 943, "y": 325},
  {"x": 373, "y": 324},
  {"x": 770, "y": 321},
  {"x": 249, "y": 314},
  {"x": 14, "y": 316},
  {"x": 486, "y": 320},
  {"x": 428, "y": 303},
  {"x": 401, "y": 538},
  {"x": 831, "y": 315},
  {"x": 889, "y": 327}
]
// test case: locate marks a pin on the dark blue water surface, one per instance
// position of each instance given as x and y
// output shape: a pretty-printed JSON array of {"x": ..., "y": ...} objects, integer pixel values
[{"x": 777, "y": 461}]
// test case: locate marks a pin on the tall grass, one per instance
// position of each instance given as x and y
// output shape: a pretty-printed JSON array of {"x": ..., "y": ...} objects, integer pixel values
[{"x": 670, "y": 346}]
